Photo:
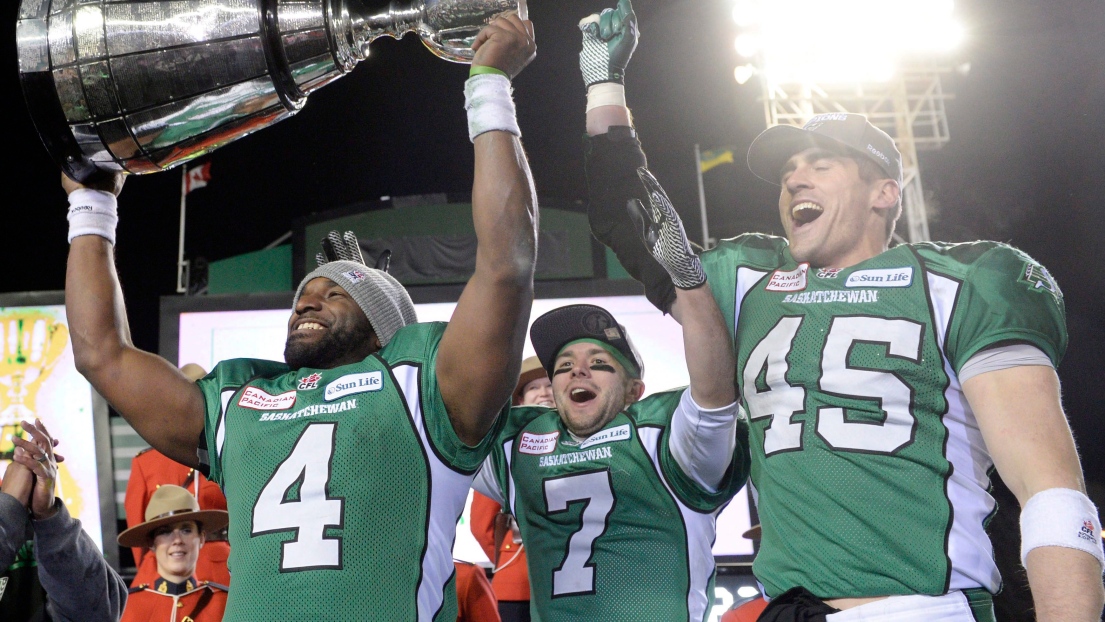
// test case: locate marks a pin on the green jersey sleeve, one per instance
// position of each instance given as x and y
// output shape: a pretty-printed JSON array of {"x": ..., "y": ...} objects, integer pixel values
[
  {"x": 218, "y": 388},
  {"x": 514, "y": 422},
  {"x": 418, "y": 344},
  {"x": 1007, "y": 297},
  {"x": 658, "y": 409},
  {"x": 751, "y": 250}
]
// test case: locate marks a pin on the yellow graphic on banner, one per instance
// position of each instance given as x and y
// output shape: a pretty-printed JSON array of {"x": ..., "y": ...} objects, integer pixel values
[{"x": 31, "y": 343}]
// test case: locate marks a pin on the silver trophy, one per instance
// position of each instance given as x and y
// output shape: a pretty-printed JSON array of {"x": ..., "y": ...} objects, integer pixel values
[{"x": 145, "y": 85}]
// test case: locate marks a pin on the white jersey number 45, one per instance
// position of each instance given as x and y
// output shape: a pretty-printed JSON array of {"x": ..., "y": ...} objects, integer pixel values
[{"x": 782, "y": 400}]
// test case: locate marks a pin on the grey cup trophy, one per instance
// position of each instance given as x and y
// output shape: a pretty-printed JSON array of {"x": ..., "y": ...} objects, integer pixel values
[{"x": 144, "y": 85}]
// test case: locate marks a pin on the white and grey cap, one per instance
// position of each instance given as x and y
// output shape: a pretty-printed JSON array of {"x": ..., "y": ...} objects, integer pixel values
[
  {"x": 384, "y": 300},
  {"x": 775, "y": 145}
]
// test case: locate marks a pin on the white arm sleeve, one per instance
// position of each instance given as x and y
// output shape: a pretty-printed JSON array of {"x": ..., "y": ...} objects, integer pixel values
[
  {"x": 486, "y": 484},
  {"x": 702, "y": 441},
  {"x": 1004, "y": 357}
]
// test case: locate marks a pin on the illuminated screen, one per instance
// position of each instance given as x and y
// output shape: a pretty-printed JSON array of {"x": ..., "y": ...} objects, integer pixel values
[
  {"x": 208, "y": 337},
  {"x": 38, "y": 380}
]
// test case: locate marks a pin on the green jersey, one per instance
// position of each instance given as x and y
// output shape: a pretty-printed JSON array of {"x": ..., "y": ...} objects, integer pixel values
[
  {"x": 343, "y": 485},
  {"x": 870, "y": 472},
  {"x": 614, "y": 529}
]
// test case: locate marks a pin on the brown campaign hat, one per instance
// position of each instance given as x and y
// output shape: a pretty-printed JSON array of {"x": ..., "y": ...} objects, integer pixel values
[
  {"x": 193, "y": 372},
  {"x": 531, "y": 370},
  {"x": 169, "y": 505}
]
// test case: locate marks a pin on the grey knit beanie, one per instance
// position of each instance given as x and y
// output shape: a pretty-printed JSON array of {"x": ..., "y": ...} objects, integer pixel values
[{"x": 384, "y": 301}]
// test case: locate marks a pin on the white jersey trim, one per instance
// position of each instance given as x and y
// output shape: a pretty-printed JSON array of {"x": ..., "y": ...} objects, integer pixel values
[
  {"x": 700, "y": 530},
  {"x": 220, "y": 428},
  {"x": 950, "y": 607},
  {"x": 448, "y": 493},
  {"x": 968, "y": 548},
  {"x": 746, "y": 280}
]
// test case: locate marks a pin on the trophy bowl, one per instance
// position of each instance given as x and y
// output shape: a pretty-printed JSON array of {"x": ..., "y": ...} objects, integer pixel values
[{"x": 144, "y": 85}]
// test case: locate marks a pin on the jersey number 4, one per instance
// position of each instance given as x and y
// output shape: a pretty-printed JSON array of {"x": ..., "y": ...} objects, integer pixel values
[
  {"x": 576, "y": 574},
  {"x": 295, "y": 499},
  {"x": 782, "y": 400}
]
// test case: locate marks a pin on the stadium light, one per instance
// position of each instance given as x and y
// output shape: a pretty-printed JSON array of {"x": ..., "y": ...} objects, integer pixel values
[
  {"x": 841, "y": 41},
  {"x": 744, "y": 73}
]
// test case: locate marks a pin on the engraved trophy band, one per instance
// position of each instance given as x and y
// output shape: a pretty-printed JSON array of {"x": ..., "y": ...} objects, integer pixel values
[{"x": 144, "y": 85}]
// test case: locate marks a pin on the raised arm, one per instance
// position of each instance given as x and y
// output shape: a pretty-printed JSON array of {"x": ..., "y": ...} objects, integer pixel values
[
  {"x": 1021, "y": 418},
  {"x": 481, "y": 350},
  {"x": 158, "y": 401},
  {"x": 612, "y": 151},
  {"x": 704, "y": 426}
]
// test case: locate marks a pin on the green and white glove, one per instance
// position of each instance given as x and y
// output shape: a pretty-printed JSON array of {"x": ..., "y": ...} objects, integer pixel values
[
  {"x": 662, "y": 232},
  {"x": 609, "y": 39}
]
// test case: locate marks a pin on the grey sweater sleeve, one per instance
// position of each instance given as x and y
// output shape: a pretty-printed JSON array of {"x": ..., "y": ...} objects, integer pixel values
[
  {"x": 79, "y": 583},
  {"x": 13, "y": 529}
]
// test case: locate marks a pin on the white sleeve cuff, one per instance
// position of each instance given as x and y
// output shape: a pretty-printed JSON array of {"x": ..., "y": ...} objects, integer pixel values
[{"x": 702, "y": 440}]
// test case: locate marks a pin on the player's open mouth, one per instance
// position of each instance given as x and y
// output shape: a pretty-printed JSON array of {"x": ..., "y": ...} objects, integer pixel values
[
  {"x": 309, "y": 326},
  {"x": 805, "y": 212},
  {"x": 579, "y": 396}
]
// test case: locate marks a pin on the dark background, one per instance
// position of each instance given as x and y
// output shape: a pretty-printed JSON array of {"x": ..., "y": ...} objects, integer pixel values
[{"x": 1024, "y": 164}]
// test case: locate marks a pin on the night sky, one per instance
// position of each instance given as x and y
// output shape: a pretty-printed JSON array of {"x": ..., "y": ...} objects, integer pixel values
[{"x": 1024, "y": 164}]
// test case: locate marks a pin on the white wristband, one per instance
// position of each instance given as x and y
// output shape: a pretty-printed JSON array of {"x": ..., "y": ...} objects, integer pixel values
[
  {"x": 92, "y": 212},
  {"x": 605, "y": 94},
  {"x": 1061, "y": 517},
  {"x": 490, "y": 106}
]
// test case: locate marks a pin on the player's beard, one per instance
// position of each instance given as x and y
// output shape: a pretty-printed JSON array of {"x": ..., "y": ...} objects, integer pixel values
[{"x": 341, "y": 344}]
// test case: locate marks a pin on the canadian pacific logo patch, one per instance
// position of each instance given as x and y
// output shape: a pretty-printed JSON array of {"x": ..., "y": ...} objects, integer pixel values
[
  {"x": 620, "y": 433},
  {"x": 789, "y": 280},
  {"x": 537, "y": 444},
  {"x": 256, "y": 399},
  {"x": 881, "y": 277},
  {"x": 354, "y": 383}
]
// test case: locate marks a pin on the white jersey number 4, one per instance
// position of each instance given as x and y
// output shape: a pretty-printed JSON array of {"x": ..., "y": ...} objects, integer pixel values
[
  {"x": 576, "y": 575},
  {"x": 309, "y": 516},
  {"x": 782, "y": 400}
]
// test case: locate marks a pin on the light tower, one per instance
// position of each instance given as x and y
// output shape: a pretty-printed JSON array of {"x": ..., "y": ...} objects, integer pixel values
[{"x": 881, "y": 58}]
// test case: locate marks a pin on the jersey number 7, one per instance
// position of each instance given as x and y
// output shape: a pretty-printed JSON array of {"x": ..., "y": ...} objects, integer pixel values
[{"x": 576, "y": 574}]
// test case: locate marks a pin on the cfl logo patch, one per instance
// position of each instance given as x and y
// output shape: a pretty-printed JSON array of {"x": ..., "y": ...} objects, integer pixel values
[{"x": 1086, "y": 533}]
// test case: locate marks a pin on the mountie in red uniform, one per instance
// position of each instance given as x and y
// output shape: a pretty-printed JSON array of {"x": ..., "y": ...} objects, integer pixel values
[
  {"x": 150, "y": 470},
  {"x": 165, "y": 601}
]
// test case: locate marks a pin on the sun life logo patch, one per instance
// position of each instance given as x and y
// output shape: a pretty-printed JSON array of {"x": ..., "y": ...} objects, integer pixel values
[{"x": 309, "y": 382}]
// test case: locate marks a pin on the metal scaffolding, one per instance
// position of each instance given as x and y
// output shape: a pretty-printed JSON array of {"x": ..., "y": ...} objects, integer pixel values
[{"x": 909, "y": 107}]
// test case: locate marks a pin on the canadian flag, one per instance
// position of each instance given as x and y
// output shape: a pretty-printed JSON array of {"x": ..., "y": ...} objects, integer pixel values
[{"x": 197, "y": 177}]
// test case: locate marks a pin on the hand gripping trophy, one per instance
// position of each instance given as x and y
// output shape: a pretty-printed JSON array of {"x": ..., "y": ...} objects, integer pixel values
[{"x": 144, "y": 85}]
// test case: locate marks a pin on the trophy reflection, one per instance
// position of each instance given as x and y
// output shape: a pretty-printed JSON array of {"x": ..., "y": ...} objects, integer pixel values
[
  {"x": 143, "y": 86},
  {"x": 31, "y": 344}
]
